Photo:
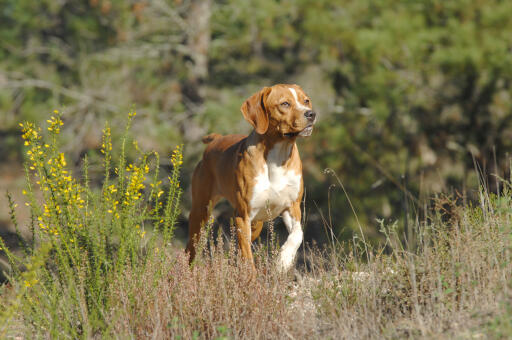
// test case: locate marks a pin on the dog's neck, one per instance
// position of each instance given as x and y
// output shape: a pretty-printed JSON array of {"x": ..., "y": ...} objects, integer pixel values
[{"x": 277, "y": 147}]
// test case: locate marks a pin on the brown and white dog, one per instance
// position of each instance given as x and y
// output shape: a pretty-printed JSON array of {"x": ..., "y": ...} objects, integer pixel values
[{"x": 260, "y": 174}]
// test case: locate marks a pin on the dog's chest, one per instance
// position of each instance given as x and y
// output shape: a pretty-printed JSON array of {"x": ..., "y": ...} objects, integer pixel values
[{"x": 275, "y": 188}]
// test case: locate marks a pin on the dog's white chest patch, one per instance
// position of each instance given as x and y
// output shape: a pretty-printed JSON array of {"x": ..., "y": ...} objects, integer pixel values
[{"x": 276, "y": 187}]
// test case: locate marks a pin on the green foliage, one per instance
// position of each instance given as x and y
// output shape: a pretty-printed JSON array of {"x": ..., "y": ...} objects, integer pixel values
[
  {"x": 408, "y": 92},
  {"x": 84, "y": 239},
  {"x": 424, "y": 88}
]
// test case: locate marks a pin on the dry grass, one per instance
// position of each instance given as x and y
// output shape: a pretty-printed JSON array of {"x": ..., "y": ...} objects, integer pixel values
[{"x": 455, "y": 284}]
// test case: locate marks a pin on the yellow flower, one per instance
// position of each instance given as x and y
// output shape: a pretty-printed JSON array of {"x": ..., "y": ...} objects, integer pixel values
[
  {"x": 30, "y": 283},
  {"x": 177, "y": 157}
]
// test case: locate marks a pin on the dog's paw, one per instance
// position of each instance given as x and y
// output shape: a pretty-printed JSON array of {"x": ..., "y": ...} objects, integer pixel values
[{"x": 285, "y": 261}]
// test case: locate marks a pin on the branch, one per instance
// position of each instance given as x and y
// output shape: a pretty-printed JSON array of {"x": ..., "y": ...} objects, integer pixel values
[{"x": 43, "y": 84}]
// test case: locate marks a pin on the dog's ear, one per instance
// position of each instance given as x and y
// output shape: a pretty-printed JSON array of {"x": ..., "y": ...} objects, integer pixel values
[{"x": 254, "y": 110}]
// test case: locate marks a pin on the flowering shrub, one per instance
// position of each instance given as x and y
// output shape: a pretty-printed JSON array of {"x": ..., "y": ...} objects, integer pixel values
[{"x": 83, "y": 237}]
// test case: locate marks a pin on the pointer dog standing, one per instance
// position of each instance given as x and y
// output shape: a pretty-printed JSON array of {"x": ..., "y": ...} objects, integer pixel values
[{"x": 260, "y": 174}]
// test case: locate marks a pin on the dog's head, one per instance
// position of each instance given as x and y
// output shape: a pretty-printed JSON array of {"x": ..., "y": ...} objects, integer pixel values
[{"x": 283, "y": 109}]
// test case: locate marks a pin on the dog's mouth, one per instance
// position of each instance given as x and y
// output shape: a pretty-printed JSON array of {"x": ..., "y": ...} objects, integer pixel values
[{"x": 306, "y": 132}]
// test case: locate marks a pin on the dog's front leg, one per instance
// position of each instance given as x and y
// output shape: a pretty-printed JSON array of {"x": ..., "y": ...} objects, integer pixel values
[
  {"x": 291, "y": 218},
  {"x": 243, "y": 228}
]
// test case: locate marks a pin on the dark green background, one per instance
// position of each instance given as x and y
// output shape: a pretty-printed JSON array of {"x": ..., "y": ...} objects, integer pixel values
[{"x": 410, "y": 94}]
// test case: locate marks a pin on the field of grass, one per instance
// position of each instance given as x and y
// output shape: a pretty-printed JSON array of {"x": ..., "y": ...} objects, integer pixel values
[{"x": 102, "y": 264}]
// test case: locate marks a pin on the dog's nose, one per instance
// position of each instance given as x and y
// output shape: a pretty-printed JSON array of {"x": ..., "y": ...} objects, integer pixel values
[{"x": 310, "y": 115}]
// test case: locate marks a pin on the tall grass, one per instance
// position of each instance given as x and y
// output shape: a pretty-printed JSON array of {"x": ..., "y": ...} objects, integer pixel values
[
  {"x": 454, "y": 284},
  {"x": 93, "y": 271}
]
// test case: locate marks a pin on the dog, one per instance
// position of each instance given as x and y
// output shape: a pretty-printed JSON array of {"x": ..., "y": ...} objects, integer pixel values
[{"x": 259, "y": 174}]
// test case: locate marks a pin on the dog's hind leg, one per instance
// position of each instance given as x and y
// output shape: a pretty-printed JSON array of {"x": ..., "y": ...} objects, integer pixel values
[
  {"x": 202, "y": 197},
  {"x": 243, "y": 228}
]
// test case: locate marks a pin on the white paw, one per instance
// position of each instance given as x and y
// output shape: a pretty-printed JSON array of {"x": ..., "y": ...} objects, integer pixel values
[{"x": 285, "y": 261}]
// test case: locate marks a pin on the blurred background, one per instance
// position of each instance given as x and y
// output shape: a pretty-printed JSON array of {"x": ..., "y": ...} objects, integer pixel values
[{"x": 412, "y": 96}]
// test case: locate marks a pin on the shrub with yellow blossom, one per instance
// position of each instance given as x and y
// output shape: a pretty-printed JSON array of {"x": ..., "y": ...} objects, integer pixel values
[{"x": 89, "y": 235}]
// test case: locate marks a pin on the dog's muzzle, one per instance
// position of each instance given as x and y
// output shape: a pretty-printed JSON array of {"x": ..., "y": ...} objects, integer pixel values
[{"x": 310, "y": 115}]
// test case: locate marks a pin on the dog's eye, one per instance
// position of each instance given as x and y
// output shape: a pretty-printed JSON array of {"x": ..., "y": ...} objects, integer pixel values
[
  {"x": 306, "y": 101},
  {"x": 285, "y": 104}
]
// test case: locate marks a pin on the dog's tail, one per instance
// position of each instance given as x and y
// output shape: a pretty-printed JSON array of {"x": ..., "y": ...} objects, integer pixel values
[{"x": 209, "y": 138}]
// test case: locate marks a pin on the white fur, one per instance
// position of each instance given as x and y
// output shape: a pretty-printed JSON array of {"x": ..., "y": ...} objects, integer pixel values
[
  {"x": 276, "y": 187},
  {"x": 299, "y": 105},
  {"x": 292, "y": 244}
]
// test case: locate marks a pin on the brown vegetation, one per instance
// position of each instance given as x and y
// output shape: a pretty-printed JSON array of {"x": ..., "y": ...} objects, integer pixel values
[{"x": 456, "y": 284}]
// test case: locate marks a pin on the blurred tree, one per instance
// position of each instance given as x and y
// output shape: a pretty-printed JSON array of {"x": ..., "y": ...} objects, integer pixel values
[{"x": 409, "y": 92}]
